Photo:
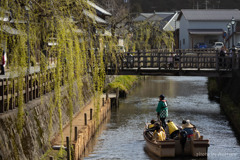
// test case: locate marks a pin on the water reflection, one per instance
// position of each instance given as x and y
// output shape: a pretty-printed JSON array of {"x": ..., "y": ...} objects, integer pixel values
[{"x": 187, "y": 99}]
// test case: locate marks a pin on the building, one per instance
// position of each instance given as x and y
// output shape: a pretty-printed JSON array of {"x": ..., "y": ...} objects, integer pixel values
[{"x": 207, "y": 26}]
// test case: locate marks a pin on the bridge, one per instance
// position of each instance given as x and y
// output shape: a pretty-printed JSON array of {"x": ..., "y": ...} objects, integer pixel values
[
  {"x": 154, "y": 63},
  {"x": 207, "y": 63}
]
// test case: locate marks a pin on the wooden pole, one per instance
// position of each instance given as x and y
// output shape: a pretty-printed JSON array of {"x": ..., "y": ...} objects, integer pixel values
[
  {"x": 76, "y": 134},
  {"x": 68, "y": 148},
  {"x": 106, "y": 96},
  {"x": 2, "y": 94},
  {"x": 138, "y": 52},
  {"x": 85, "y": 118},
  {"x": 217, "y": 61},
  {"x": 117, "y": 97},
  {"x": 91, "y": 113}
]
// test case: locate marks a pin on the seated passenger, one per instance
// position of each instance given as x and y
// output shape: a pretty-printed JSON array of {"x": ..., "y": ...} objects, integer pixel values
[
  {"x": 188, "y": 127},
  {"x": 196, "y": 133},
  {"x": 159, "y": 134},
  {"x": 152, "y": 124},
  {"x": 173, "y": 129}
]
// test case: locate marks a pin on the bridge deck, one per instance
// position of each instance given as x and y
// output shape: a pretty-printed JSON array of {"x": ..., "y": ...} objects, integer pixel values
[{"x": 171, "y": 72}]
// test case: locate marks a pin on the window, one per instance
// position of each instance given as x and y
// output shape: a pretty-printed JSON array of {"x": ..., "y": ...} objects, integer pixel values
[{"x": 183, "y": 41}]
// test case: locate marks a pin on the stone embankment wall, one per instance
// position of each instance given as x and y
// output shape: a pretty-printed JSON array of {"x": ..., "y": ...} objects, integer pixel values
[
  {"x": 36, "y": 135},
  {"x": 227, "y": 91}
]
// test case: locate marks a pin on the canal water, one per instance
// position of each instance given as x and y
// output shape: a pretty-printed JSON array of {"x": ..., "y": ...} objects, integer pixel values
[{"x": 121, "y": 136}]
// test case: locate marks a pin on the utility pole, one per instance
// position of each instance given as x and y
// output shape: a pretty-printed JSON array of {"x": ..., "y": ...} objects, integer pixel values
[{"x": 197, "y": 5}]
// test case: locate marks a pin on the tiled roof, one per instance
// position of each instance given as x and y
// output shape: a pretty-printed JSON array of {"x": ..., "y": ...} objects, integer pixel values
[
  {"x": 146, "y": 14},
  {"x": 94, "y": 17},
  {"x": 11, "y": 30},
  {"x": 158, "y": 16},
  {"x": 99, "y": 8},
  {"x": 210, "y": 15}
]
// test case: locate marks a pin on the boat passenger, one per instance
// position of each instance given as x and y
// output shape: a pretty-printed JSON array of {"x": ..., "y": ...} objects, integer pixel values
[
  {"x": 196, "y": 133},
  {"x": 162, "y": 110},
  {"x": 188, "y": 127},
  {"x": 152, "y": 124},
  {"x": 159, "y": 134},
  {"x": 173, "y": 129}
]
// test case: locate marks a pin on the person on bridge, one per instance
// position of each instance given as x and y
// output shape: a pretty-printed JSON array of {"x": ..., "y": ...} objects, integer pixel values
[
  {"x": 222, "y": 57},
  {"x": 162, "y": 110}
]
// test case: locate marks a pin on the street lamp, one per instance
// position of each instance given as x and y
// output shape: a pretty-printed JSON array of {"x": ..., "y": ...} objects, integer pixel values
[
  {"x": 229, "y": 27},
  {"x": 233, "y": 23}
]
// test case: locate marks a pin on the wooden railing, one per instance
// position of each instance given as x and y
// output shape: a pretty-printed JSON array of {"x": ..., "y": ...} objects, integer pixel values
[
  {"x": 33, "y": 87},
  {"x": 178, "y": 60}
]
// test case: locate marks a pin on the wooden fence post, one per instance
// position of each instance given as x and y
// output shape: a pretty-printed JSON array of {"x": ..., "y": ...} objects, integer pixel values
[
  {"x": 217, "y": 61},
  {"x": 2, "y": 95},
  {"x": 76, "y": 133},
  {"x": 122, "y": 63},
  {"x": 91, "y": 113},
  {"x": 7, "y": 95},
  {"x": 117, "y": 97},
  {"x": 34, "y": 86},
  {"x": 158, "y": 59},
  {"x": 26, "y": 89},
  {"x": 68, "y": 148},
  {"x": 13, "y": 94},
  {"x": 138, "y": 52},
  {"x": 31, "y": 87},
  {"x": 180, "y": 61},
  {"x": 85, "y": 119},
  {"x": 198, "y": 66}
]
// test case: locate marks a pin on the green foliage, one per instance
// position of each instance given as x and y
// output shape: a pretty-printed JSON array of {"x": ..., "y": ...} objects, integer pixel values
[
  {"x": 123, "y": 83},
  {"x": 67, "y": 26},
  {"x": 232, "y": 111},
  {"x": 148, "y": 35}
]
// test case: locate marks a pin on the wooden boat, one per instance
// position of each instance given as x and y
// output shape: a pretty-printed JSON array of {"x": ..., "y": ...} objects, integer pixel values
[
  {"x": 159, "y": 148},
  {"x": 173, "y": 148}
]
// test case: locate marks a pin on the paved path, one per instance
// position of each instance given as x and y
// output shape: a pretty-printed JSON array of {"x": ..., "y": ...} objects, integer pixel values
[{"x": 78, "y": 121}]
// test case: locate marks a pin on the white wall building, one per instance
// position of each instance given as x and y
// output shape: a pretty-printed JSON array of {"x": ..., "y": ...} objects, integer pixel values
[{"x": 206, "y": 26}]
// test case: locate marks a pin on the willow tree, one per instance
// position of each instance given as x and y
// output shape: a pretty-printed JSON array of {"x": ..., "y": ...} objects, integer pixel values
[
  {"x": 69, "y": 27},
  {"x": 149, "y": 35}
]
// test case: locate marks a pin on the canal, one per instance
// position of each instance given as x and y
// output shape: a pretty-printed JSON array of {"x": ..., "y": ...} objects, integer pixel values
[{"x": 121, "y": 136}]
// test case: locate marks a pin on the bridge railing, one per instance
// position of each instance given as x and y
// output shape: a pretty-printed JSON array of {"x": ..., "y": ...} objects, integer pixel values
[{"x": 175, "y": 60}]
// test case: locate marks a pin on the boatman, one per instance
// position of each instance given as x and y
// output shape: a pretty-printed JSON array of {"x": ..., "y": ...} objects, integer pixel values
[{"x": 162, "y": 110}]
